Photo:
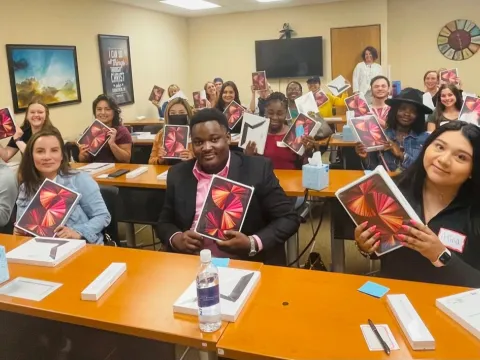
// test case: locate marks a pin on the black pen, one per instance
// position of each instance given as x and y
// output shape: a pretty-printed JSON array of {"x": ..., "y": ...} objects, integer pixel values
[{"x": 377, "y": 334}]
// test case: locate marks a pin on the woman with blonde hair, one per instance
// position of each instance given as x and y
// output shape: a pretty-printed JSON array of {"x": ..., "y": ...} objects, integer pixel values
[
  {"x": 178, "y": 112},
  {"x": 37, "y": 118},
  {"x": 211, "y": 92},
  {"x": 172, "y": 90}
]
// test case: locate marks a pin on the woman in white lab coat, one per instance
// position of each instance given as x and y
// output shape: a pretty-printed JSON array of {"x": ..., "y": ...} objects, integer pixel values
[{"x": 365, "y": 71}]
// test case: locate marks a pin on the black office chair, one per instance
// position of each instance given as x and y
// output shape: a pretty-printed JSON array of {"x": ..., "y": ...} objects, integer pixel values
[
  {"x": 153, "y": 129},
  {"x": 110, "y": 196},
  {"x": 72, "y": 151}
]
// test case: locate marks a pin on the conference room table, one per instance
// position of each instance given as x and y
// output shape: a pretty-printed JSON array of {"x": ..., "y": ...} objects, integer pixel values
[
  {"x": 291, "y": 313},
  {"x": 290, "y": 181},
  {"x": 140, "y": 302},
  {"x": 306, "y": 315}
]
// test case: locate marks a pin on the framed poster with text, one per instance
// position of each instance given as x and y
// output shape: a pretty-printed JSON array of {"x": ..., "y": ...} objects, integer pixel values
[{"x": 116, "y": 68}]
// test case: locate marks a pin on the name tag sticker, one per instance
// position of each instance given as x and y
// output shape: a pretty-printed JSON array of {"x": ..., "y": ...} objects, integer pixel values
[
  {"x": 452, "y": 239},
  {"x": 280, "y": 144}
]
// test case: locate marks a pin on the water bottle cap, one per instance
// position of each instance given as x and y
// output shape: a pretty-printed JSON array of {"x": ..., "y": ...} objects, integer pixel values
[{"x": 205, "y": 256}]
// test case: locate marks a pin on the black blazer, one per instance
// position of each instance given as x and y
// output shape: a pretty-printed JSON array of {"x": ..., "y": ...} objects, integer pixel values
[{"x": 270, "y": 215}]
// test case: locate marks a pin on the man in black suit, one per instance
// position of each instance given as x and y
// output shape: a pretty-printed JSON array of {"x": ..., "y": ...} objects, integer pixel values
[{"x": 270, "y": 218}]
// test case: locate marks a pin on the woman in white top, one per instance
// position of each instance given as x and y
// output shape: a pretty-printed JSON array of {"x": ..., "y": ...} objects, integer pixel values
[{"x": 365, "y": 71}]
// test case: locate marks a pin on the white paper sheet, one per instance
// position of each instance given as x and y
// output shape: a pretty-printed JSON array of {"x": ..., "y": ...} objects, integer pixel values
[
  {"x": 373, "y": 343},
  {"x": 29, "y": 289}
]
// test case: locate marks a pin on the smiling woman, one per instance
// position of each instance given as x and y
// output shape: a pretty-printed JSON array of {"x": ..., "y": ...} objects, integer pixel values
[
  {"x": 405, "y": 130},
  {"x": 448, "y": 107},
  {"x": 443, "y": 187},
  {"x": 44, "y": 158},
  {"x": 37, "y": 117}
]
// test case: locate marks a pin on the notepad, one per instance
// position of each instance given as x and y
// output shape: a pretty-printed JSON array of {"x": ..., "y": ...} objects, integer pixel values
[
  {"x": 373, "y": 289},
  {"x": 30, "y": 289},
  {"x": 372, "y": 341}
]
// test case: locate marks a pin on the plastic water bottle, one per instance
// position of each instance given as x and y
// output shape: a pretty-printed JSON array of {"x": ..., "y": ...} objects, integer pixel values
[{"x": 208, "y": 294}]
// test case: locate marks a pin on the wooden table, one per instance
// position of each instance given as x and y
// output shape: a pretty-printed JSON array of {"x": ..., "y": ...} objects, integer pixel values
[
  {"x": 140, "y": 303},
  {"x": 299, "y": 314},
  {"x": 144, "y": 122},
  {"x": 290, "y": 180},
  {"x": 338, "y": 142}
]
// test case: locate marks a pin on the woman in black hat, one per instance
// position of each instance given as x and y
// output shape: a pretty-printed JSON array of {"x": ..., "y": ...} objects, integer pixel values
[{"x": 406, "y": 131}]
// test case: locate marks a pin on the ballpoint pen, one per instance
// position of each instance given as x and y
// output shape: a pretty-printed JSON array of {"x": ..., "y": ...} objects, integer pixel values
[{"x": 379, "y": 337}]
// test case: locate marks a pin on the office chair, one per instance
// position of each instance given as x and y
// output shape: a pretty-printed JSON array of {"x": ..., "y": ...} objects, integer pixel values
[{"x": 110, "y": 197}]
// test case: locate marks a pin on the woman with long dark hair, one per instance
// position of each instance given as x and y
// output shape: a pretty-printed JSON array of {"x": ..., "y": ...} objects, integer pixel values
[
  {"x": 443, "y": 187},
  {"x": 229, "y": 93},
  {"x": 118, "y": 149},
  {"x": 405, "y": 129},
  {"x": 45, "y": 158},
  {"x": 37, "y": 118},
  {"x": 449, "y": 104}
]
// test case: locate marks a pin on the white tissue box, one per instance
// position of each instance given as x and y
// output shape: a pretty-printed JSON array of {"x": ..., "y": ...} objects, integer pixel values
[
  {"x": 4, "y": 274},
  {"x": 315, "y": 177},
  {"x": 347, "y": 133}
]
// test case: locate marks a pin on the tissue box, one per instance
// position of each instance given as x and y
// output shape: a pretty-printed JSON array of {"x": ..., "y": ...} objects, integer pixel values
[
  {"x": 4, "y": 274},
  {"x": 315, "y": 177},
  {"x": 347, "y": 133}
]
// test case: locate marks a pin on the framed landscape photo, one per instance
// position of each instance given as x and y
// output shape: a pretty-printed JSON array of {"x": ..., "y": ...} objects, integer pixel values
[
  {"x": 43, "y": 72},
  {"x": 116, "y": 68}
]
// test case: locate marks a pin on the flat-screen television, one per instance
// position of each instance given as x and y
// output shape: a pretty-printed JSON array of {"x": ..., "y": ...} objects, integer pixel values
[{"x": 299, "y": 57}]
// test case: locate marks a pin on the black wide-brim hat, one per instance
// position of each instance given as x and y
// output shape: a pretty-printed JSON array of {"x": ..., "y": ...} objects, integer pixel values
[{"x": 410, "y": 96}]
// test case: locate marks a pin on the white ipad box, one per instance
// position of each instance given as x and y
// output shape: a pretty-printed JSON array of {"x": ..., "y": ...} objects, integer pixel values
[
  {"x": 43, "y": 251},
  {"x": 102, "y": 282},
  {"x": 236, "y": 286},
  {"x": 254, "y": 128},
  {"x": 306, "y": 103},
  {"x": 95, "y": 168},
  {"x": 413, "y": 327},
  {"x": 338, "y": 85},
  {"x": 464, "y": 308},
  {"x": 380, "y": 170}
]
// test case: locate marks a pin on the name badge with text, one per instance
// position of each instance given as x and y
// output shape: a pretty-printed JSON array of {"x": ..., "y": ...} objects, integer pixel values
[{"x": 452, "y": 239}]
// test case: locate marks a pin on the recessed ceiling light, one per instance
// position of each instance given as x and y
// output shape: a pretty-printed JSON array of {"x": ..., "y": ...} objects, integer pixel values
[{"x": 191, "y": 4}]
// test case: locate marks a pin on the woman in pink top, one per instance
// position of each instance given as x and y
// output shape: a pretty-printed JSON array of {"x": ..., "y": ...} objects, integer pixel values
[{"x": 276, "y": 109}]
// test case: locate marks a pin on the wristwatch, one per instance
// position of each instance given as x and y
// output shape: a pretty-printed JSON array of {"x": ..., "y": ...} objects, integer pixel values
[
  {"x": 253, "y": 246},
  {"x": 443, "y": 259}
]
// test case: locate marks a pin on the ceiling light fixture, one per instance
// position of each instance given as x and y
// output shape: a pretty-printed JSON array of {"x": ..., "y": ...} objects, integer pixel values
[
  {"x": 191, "y": 4},
  {"x": 267, "y": 1}
]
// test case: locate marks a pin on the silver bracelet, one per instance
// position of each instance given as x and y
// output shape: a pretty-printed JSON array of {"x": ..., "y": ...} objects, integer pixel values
[{"x": 363, "y": 253}]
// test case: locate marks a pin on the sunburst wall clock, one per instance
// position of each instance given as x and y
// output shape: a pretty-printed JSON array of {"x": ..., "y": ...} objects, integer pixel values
[{"x": 459, "y": 40}]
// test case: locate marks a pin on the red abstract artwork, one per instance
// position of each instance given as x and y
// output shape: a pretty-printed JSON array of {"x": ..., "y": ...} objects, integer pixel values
[
  {"x": 95, "y": 137},
  {"x": 49, "y": 208},
  {"x": 320, "y": 98},
  {"x": 373, "y": 201},
  {"x": 224, "y": 209},
  {"x": 358, "y": 104},
  {"x": 7, "y": 125},
  {"x": 303, "y": 125},
  {"x": 449, "y": 76},
  {"x": 369, "y": 131},
  {"x": 198, "y": 101},
  {"x": 259, "y": 80},
  {"x": 234, "y": 113},
  {"x": 175, "y": 140},
  {"x": 471, "y": 110}
]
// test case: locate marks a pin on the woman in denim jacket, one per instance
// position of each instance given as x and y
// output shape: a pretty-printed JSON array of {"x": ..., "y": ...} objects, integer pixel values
[{"x": 44, "y": 158}]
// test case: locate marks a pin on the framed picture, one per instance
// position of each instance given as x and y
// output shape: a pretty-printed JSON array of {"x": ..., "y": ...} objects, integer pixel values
[
  {"x": 43, "y": 72},
  {"x": 116, "y": 68}
]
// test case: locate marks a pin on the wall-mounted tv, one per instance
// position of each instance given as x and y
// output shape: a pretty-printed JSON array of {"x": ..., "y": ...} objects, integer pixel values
[{"x": 298, "y": 57}]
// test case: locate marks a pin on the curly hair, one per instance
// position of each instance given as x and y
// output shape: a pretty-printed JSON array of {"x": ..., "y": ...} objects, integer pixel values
[
  {"x": 277, "y": 96},
  {"x": 112, "y": 104}
]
